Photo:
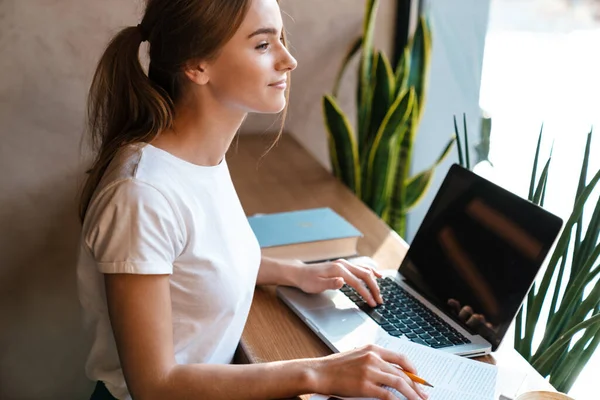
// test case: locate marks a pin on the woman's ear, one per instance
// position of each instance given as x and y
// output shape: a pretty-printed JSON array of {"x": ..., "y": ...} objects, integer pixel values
[{"x": 197, "y": 73}]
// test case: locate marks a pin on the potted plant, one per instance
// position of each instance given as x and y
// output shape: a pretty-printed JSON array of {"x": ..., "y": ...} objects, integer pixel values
[{"x": 374, "y": 158}]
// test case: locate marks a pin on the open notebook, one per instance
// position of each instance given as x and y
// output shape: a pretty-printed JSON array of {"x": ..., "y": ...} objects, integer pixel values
[{"x": 453, "y": 377}]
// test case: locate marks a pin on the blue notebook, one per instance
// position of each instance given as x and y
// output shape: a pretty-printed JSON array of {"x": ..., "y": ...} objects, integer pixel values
[{"x": 309, "y": 235}]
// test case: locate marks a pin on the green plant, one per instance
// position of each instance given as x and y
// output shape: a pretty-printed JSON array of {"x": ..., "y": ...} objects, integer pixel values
[
  {"x": 569, "y": 288},
  {"x": 482, "y": 148},
  {"x": 570, "y": 284},
  {"x": 374, "y": 162}
]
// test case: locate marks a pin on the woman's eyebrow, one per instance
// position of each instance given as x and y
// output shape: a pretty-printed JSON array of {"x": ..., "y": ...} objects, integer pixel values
[{"x": 269, "y": 31}]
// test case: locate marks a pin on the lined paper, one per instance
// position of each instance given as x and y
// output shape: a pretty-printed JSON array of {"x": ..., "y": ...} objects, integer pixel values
[{"x": 453, "y": 377}]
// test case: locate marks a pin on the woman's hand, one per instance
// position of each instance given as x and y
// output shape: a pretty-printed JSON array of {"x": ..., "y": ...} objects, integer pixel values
[
  {"x": 316, "y": 278},
  {"x": 362, "y": 372}
]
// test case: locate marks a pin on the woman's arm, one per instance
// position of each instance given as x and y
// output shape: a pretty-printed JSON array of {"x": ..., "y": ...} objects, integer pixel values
[
  {"x": 140, "y": 313},
  {"x": 275, "y": 271}
]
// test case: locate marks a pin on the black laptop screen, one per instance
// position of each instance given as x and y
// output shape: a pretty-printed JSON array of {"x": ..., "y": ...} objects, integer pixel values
[{"x": 479, "y": 246}]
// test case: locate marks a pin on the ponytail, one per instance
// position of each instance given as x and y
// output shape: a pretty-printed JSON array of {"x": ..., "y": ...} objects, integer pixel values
[{"x": 124, "y": 106}]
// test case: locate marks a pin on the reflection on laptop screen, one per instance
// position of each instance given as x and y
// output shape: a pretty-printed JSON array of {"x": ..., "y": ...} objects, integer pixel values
[{"x": 479, "y": 246}]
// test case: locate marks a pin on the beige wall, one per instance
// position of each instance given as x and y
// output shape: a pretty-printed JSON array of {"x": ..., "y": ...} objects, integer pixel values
[{"x": 48, "y": 50}]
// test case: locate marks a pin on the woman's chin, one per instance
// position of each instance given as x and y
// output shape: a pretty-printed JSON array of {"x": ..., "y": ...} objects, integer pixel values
[{"x": 273, "y": 108}]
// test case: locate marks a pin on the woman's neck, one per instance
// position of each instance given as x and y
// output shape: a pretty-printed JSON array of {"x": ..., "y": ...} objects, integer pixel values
[{"x": 202, "y": 132}]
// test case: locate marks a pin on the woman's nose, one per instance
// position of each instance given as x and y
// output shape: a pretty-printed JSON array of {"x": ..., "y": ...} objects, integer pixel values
[{"x": 288, "y": 62}]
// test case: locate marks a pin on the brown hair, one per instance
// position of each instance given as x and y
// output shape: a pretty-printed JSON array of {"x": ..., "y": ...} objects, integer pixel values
[{"x": 125, "y": 105}]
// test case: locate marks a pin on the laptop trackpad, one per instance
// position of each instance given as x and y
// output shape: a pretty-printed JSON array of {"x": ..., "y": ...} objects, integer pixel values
[{"x": 336, "y": 322}]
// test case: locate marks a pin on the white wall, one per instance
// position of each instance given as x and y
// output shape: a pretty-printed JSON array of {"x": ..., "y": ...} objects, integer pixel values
[
  {"x": 459, "y": 29},
  {"x": 48, "y": 50}
]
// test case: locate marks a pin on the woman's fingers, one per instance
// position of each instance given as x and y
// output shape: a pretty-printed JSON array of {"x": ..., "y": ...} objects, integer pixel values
[
  {"x": 338, "y": 269},
  {"x": 397, "y": 380},
  {"x": 367, "y": 275},
  {"x": 392, "y": 357}
]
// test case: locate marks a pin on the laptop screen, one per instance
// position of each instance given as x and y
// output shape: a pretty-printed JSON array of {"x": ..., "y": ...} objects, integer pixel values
[{"x": 478, "y": 251}]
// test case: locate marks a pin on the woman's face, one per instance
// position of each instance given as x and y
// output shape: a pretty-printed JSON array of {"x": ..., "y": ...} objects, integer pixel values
[{"x": 251, "y": 71}]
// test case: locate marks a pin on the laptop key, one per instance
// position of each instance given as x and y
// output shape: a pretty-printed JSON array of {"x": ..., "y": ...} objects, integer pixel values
[
  {"x": 405, "y": 330},
  {"x": 388, "y": 327},
  {"x": 395, "y": 333},
  {"x": 411, "y": 335},
  {"x": 419, "y": 341},
  {"x": 440, "y": 345},
  {"x": 419, "y": 331},
  {"x": 377, "y": 317},
  {"x": 362, "y": 304}
]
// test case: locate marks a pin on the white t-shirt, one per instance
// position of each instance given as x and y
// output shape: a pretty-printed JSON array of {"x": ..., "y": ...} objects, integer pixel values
[{"x": 154, "y": 213}]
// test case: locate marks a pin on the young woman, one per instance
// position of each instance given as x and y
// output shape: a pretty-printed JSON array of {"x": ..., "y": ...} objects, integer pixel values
[{"x": 168, "y": 262}]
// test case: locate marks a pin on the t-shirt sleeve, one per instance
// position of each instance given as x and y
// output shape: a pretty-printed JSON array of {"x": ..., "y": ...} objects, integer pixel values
[{"x": 132, "y": 228}]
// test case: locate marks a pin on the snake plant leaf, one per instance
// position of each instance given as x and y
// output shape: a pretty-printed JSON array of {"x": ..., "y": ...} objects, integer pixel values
[
  {"x": 354, "y": 48},
  {"x": 378, "y": 168},
  {"x": 343, "y": 147},
  {"x": 365, "y": 93},
  {"x": 383, "y": 89},
  {"x": 418, "y": 184},
  {"x": 396, "y": 214},
  {"x": 402, "y": 72},
  {"x": 420, "y": 51}
]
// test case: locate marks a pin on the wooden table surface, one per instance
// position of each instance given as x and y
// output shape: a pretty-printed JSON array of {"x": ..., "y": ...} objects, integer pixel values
[{"x": 289, "y": 178}]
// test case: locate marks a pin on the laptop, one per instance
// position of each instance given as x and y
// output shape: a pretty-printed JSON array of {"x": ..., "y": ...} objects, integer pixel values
[{"x": 472, "y": 262}]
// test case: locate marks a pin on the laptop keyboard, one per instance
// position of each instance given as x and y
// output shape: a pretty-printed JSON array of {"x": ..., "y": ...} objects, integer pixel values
[{"x": 403, "y": 315}]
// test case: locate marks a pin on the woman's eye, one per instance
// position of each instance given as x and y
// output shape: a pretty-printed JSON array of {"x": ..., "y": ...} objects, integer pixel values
[{"x": 262, "y": 46}]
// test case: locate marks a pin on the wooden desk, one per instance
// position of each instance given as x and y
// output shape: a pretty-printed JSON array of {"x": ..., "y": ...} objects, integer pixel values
[{"x": 288, "y": 178}]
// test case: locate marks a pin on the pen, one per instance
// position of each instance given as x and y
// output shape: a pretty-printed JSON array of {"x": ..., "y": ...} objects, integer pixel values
[{"x": 415, "y": 378}]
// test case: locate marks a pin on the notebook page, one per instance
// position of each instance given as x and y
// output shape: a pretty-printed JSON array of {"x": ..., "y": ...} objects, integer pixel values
[{"x": 453, "y": 377}]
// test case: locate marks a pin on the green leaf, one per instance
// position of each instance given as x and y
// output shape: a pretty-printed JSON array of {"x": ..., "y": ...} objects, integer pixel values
[
  {"x": 461, "y": 159},
  {"x": 580, "y": 247},
  {"x": 542, "y": 183},
  {"x": 467, "y": 157},
  {"x": 569, "y": 314},
  {"x": 483, "y": 147},
  {"x": 343, "y": 147},
  {"x": 559, "y": 251},
  {"x": 580, "y": 186},
  {"x": 418, "y": 184},
  {"x": 542, "y": 362},
  {"x": 396, "y": 213},
  {"x": 535, "y": 164},
  {"x": 402, "y": 72},
  {"x": 354, "y": 48},
  {"x": 379, "y": 164},
  {"x": 420, "y": 51},
  {"x": 382, "y": 95},
  {"x": 365, "y": 93},
  {"x": 564, "y": 374}
]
